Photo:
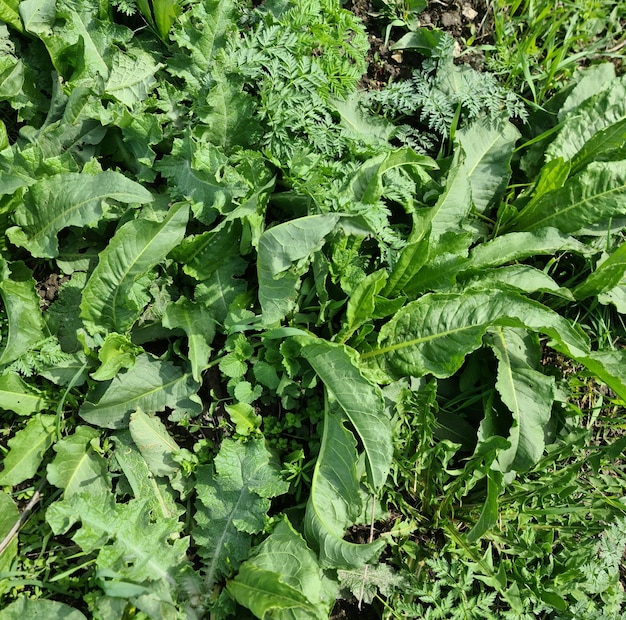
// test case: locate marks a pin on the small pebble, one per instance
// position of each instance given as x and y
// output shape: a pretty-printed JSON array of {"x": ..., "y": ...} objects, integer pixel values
[{"x": 450, "y": 19}]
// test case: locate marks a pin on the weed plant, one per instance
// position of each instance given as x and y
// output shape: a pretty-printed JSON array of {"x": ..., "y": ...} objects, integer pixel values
[{"x": 296, "y": 361}]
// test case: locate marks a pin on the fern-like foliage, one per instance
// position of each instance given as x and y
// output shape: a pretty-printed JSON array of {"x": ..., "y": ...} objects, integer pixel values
[
  {"x": 295, "y": 68},
  {"x": 440, "y": 92}
]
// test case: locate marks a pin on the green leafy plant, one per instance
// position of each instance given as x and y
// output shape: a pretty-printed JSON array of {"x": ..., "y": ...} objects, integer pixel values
[{"x": 264, "y": 292}]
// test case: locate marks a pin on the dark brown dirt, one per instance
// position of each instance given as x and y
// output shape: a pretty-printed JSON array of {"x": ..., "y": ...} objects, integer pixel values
[
  {"x": 464, "y": 20},
  {"x": 48, "y": 289}
]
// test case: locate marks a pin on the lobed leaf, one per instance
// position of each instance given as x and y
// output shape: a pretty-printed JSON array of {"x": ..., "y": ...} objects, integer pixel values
[
  {"x": 77, "y": 467},
  {"x": 150, "y": 384},
  {"x": 232, "y": 504},
  {"x": 68, "y": 199},
  {"x": 27, "y": 450},
  {"x": 139, "y": 245}
]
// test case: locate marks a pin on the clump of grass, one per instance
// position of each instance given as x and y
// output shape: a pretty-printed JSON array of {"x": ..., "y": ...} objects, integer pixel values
[{"x": 538, "y": 44}]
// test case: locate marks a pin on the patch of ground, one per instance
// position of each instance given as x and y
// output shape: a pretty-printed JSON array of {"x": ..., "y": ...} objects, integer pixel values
[{"x": 463, "y": 20}]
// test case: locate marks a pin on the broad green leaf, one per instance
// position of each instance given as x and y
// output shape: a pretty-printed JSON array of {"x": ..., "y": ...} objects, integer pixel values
[
  {"x": 154, "y": 442},
  {"x": 229, "y": 113},
  {"x": 609, "y": 367},
  {"x": 132, "y": 76},
  {"x": 222, "y": 287},
  {"x": 519, "y": 245},
  {"x": 18, "y": 396},
  {"x": 488, "y": 149},
  {"x": 138, "y": 246},
  {"x": 150, "y": 384},
  {"x": 197, "y": 321},
  {"x": 21, "y": 303},
  {"x": 522, "y": 277},
  {"x": 594, "y": 196},
  {"x": 200, "y": 172},
  {"x": 27, "y": 449},
  {"x": 202, "y": 255},
  {"x": 615, "y": 296},
  {"x": 593, "y": 80},
  {"x": 77, "y": 466},
  {"x": 607, "y": 276},
  {"x": 9, "y": 515},
  {"x": 232, "y": 504},
  {"x": 595, "y": 114},
  {"x": 69, "y": 199},
  {"x": 335, "y": 502},
  {"x": 489, "y": 513},
  {"x": 243, "y": 416},
  {"x": 367, "y": 184},
  {"x": 9, "y": 14},
  {"x": 606, "y": 145},
  {"x": 434, "y": 333},
  {"x": 446, "y": 260},
  {"x": 281, "y": 252},
  {"x": 155, "y": 491},
  {"x": 37, "y": 15},
  {"x": 282, "y": 578},
  {"x": 412, "y": 258},
  {"x": 39, "y": 609},
  {"x": 200, "y": 47},
  {"x": 130, "y": 544},
  {"x": 529, "y": 395},
  {"x": 454, "y": 203},
  {"x": 362, "y": 301},
  {"x": 360, "y": 400},
  {"x": 165, "y": 12},
  {"x": 116, "y": 352},
  {"x": 360, "y": 124}
]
